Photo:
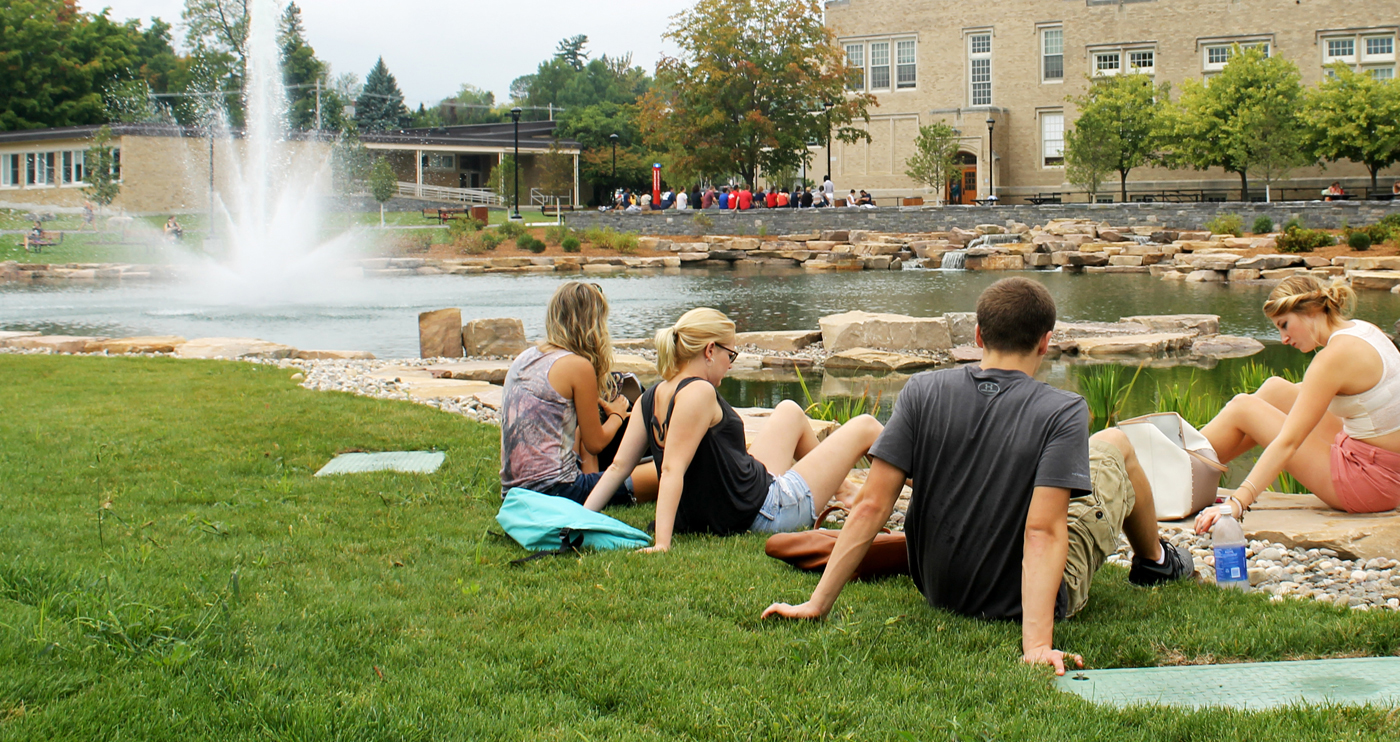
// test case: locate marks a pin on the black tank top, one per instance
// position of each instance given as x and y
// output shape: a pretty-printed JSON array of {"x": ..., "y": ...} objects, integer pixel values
[{"x": 724, "y": 486}]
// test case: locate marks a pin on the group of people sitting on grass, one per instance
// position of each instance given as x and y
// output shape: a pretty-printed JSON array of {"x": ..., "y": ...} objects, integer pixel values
[
  {"x": 740, "y": 198},
  {"x": 1014, "y": 504}
]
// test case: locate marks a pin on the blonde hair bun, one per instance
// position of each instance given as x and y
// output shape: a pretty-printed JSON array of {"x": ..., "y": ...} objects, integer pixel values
[
  {"x": 677, "y": 344},
  {"x": 1305, "y": 294}
]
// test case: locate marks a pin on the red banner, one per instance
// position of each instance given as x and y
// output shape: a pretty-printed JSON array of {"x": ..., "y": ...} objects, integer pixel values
[{"x": 656, "y": 183}]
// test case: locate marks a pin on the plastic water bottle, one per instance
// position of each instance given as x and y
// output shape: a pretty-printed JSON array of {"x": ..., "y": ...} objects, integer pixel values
[{"x": 1228, "y": 543}]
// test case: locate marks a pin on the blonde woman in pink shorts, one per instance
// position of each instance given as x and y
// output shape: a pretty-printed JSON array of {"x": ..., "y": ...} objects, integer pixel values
[{"x": 1337, "y": 432}]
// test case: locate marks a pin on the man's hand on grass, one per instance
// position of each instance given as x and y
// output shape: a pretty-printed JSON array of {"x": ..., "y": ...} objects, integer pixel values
[
  {"x": 1052, "y": 657},
  {"x": 805, "y": 612}
]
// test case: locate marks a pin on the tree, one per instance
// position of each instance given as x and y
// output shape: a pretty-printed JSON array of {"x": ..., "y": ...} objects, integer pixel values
[
  {"x": 557, "y": 172},
  {"x": 217, "y": 27},
  {"x": 1120, "y": 122},
  {"x": 571, "y": 52},
  {"x": 58, "y": 63},
  {"x": 935, "y": 158},
  {"x": 380, "y": 104},
  {"x": 471, "y": 105},
  {"x": 302, "y": 72},
  {"x": 1088, "y": 160},
  {"x": 351, "y": 164},
  {"x": 747, "y": 91},
  {"x": 1246, "y": 118},
  {"x": 504, "y": 177},
  {"x": 102, "y": 169},
  {"x": 383, "y": 184},
  {"x": 1353, "y": 116}
]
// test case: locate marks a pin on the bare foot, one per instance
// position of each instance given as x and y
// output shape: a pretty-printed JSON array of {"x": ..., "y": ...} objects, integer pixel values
[{"x": 848, "y": 493}]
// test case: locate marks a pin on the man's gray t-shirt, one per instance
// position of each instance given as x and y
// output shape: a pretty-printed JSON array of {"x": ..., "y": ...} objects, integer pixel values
[{"x": 977, "y": 442}]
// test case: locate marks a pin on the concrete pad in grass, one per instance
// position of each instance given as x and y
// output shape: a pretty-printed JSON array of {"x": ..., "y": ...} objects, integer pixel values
[
  {"x": 1252, "y": 686},
  {"x": 410, "y": 462}
]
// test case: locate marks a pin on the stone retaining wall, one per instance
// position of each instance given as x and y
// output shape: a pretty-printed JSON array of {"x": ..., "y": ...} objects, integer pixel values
[{"x": 1317, "y": 214}]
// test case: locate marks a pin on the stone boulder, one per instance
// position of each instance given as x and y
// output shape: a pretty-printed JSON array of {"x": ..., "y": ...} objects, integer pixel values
[
  {"x": 967, "y": 354},
  {"x": 1371, "y": 264},
  {"x": 430, "y": 388},
  {"x": 1193, "y": 324},
  {"x": 785, "y": 340},
  {"x": 440, "y": 334},
  {"x": 55, "y": 343},
  {"x": 629, "y": 364},
  {"x": 335, "y": 355},
  {"x": 1151, "y": 344},
  {"x": 1206, "y": 276},
  {"x": 496, "y": 336},
  {"x": 233, "y": 349},
  {"x": 7, "y": 337},
  {"x": 1081, "y": 259},
  {"x": 835, "y": 235},
  {"x": 869, "y": 359},
  {"x": 888, "y": 331},
  {"x": 1226, "y": 346},
  {"x": 162, "y": 344},
  {"x": 962, "y": 327},
  {"x": 1369, "y": 280},
  {"x": 489, "y": 371},
  {"x": 994, "y": 262}
]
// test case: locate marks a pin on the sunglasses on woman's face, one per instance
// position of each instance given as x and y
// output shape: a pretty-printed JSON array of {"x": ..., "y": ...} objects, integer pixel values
[{"x": 733, "y": 354}]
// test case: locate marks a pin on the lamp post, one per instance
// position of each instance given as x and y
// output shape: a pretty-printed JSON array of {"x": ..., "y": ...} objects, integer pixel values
[
  {"x": 515, "y": 163},
  {"x": 827, "y": 107},
  {"x": 991, "y": 160},
  {"x": 612, "y": 138}
]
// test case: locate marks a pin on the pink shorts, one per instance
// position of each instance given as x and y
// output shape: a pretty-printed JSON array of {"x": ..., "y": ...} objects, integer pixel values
[{"x": 1367, "y": 478}]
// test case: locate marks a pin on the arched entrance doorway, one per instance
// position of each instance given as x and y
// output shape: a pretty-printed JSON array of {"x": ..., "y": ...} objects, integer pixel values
[{"x": 966, "y": 180}]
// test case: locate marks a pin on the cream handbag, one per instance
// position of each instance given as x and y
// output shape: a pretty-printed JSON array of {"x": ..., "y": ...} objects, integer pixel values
[{"x": 1180, "y": 463}]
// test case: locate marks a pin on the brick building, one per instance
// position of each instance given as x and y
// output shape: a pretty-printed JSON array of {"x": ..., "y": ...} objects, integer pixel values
[{"x": 1016, "y": 62}]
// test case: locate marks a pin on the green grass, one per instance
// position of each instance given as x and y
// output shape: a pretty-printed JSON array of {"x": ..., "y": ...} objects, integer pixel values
[{"x": 172, "y": 571}]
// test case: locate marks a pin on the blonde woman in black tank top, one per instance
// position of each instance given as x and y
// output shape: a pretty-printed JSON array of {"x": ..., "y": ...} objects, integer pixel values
[{"x": 710, "y": 481}]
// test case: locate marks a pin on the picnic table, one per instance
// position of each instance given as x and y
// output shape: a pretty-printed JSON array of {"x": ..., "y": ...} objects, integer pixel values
[
  {"x": 1045, "y": 198},
  {"x": 992, "y": 201}
]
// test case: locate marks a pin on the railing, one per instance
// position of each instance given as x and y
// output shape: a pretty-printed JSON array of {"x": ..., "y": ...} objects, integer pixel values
[
  {"x": 541, "y": 199},
  {"x": 443, "y": 193}
]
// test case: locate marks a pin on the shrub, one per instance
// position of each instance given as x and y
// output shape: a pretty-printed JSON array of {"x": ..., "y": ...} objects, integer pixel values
[
  {"x": 1226, "y": 224},
  {"x": 1263, "y": 225},
  {"x": 1294, "y": 222},
  {"x": 570, "y": 244},
  {"x": 463, "y": 226},
  {"x": 625, "y": 242},
  {"x": 512, "y": 229},
  {"x": 1358, "y": 239},
  {"x": 529, "y": 242},
  {"x": 1298, "y": 240},
  {"x": 482, "y": 241},
  {"x": 555, "y": 235}
]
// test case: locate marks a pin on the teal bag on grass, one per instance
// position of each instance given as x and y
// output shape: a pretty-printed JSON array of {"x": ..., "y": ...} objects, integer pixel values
[{"x": 545, "y": 523}]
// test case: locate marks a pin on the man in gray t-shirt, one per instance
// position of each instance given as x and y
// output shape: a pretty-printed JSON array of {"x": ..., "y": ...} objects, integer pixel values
[{"x": 1014, "y": 505}]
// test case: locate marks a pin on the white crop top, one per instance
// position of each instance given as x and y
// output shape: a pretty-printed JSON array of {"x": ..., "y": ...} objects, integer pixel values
[{"x": 1376, "y": 411}]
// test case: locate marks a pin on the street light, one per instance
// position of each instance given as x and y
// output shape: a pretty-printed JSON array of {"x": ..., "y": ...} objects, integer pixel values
[
  {"x": 991, "y": 160},
  {"x": 613, "y": 139},
  {"x": 827, "y": 107},
  {"x": 515, "y": 117}
]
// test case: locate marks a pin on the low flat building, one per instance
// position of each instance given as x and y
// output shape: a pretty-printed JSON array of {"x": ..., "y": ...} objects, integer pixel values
[{"x": 1016, "y": 63}]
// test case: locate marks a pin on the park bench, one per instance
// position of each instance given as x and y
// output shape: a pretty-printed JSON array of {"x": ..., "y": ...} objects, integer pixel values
[
  {"x": 442, "y": 215},
  {"x": 45, "y": 239}
]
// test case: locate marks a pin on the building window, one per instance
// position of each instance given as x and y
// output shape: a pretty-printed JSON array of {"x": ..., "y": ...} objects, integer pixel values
[
  {"x": 440, "y": 162},
  {"x": 1108, "y": 63},
  {"x": 880, "y": 66},
  {"x": 1217, "y": 56},
  {"x": 1382, "y": 73},
  {"x": 9, "y": 171},
  {"x": 1052, "y": 138},
  {"x": 905, "y": 64},
  {"x": 855, "y": 56},
  {"x": 116, "y": 163},
  {"x": 1052, "y": 45},
  {"x": 40, "y": 168},
  {"x": 980, "y": 51},
  {"x": 1341, "y": 49},
  {"x": 72, "y": 167},
  {"x": 1380, "y": 47},
  {"x": 1143, "y": 62}
]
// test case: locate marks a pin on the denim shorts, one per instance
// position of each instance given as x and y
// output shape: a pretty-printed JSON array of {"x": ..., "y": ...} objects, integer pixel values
[
  {"x": 579, "y": 489},
  {"x": 788, "y": 506}
]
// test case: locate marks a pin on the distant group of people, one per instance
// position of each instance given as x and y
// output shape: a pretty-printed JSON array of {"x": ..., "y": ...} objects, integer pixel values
[{"x": 740, "y": 198}]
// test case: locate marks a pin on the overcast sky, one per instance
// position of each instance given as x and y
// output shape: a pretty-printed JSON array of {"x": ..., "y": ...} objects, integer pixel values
[{"x": 432, "y": 47}]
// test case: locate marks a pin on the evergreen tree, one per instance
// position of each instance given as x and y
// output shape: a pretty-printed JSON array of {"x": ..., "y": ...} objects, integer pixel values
[
  {"x": 301, "y": 71},
  {"x": 571, "y": 52},
  {"x": 380, "y": 105}
]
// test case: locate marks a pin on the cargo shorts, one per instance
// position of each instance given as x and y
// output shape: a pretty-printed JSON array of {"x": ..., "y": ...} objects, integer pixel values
[{"x": 1096, "y": 520}]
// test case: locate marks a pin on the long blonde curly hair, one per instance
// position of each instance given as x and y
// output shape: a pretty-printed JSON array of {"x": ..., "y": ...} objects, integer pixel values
[
  {"x": 577, "y": 321},
  {"x": 1307, "y": 295}
]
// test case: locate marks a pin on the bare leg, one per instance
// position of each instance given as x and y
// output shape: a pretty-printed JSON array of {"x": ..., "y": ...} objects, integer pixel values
[
  {"x": 786, "y": 438},
  {"x": 1140, "y": 525},
  {"x": 645, "y": 482},
  {"x": 826, "y": 469},
  {"x": 1250, "y": 419}
]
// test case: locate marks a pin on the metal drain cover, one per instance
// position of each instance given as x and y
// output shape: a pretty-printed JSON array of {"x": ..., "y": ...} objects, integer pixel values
[{"x": 1251, "y": 686}]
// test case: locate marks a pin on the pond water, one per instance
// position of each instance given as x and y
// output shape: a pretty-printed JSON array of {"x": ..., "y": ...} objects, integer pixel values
[{"x": 380, "y": 315}]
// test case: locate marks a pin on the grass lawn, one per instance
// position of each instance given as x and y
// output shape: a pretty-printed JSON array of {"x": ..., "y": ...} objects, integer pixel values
[{"x": 172, "y": 571}]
